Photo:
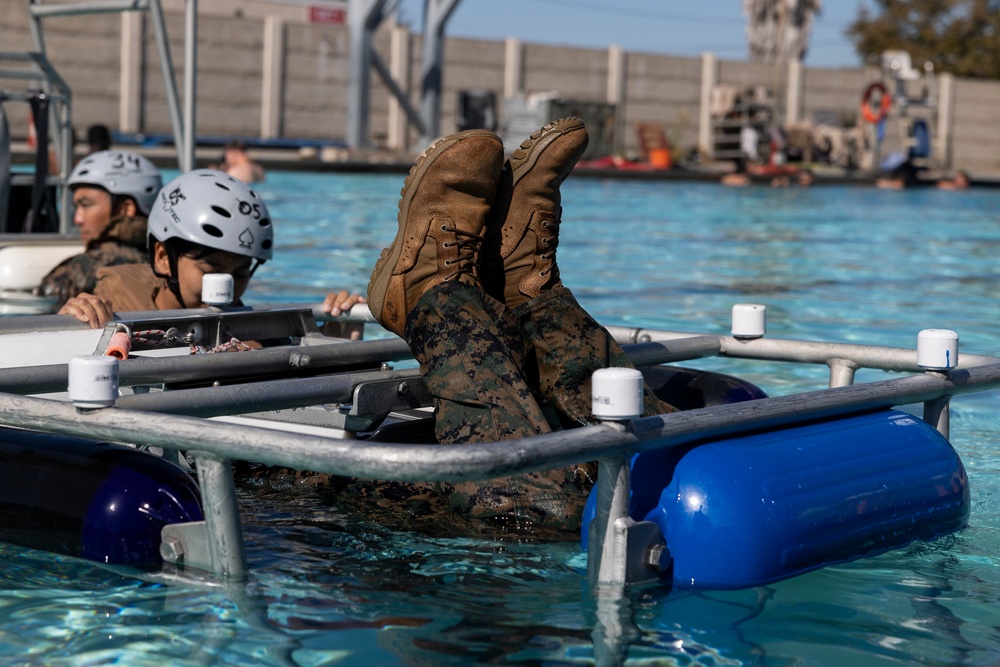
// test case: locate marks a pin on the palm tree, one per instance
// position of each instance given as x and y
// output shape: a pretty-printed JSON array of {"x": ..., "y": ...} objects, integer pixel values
[{"x": 778, "y": 30}]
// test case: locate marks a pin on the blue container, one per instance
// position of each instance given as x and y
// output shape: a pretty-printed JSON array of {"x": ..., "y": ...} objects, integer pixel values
[
  {"x": 747, "y": 511},
  {"x": 94, "y": 500}
]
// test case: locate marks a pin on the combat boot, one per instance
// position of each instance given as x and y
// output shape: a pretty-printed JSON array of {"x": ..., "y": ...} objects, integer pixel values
[
  {"x": 519, "y": 253},
  {"x": 442, "y": 213}
]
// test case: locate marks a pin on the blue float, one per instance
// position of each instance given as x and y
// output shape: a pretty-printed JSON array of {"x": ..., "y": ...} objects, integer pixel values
[
  {"x": 103, "y": 502},
  {"x": 752, "y": 510}
]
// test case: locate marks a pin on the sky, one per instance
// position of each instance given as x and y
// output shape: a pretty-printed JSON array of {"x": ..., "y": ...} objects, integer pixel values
[{"x": 669, "y": 27}]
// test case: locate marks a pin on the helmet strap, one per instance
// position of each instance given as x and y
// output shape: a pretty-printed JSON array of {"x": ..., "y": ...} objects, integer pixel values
[{"x": 171, "y": 279}]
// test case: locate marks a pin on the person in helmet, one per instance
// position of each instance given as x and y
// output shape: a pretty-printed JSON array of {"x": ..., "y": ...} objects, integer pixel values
[
  {"x": 113, "y": 192},
  {"x": 204, "y": 221}
]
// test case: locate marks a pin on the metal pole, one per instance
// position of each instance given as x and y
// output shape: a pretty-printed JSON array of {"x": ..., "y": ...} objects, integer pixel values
[
  {"x": 841, "y": 372},
  {"x": 436, "y": 15},
  {"x": 604, "y": 564},
  {"x": 222, "y": 516},
  {"x": 169, "y": 82},
  {"x": 190, "y": 83},
  {"x": 363, "y": 16},
  {"x": 409, "y": 462},
  {"x": 284, "y": 360},
  {"x": 937, "y": 413}
]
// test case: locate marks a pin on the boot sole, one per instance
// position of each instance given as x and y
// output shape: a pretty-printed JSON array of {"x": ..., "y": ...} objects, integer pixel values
[
  {"x": 525, "y": 157},
  {"x": 389, "y": 257}
]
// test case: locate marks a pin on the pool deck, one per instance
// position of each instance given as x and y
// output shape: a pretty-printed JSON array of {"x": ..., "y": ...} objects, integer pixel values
[{"x": 333, "y": 160}]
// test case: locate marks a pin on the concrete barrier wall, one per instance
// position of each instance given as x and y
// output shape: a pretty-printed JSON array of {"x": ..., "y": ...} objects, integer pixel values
[
  {"x": 313, "y": 74},
  {"x": 663, "y": 89},
  {"x": 975, "y": 130},
  {"x": 85, "y": 51},
  {"x": 316, "y": 75}
]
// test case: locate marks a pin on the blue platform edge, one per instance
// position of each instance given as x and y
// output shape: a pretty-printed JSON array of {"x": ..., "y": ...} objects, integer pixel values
[{"x": 753, "y": 510}]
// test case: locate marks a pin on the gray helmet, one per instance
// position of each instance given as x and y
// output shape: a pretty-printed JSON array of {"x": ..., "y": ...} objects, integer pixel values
[
  {"x": 121, "y": 173},
  {"x": 215, "y": 210}
]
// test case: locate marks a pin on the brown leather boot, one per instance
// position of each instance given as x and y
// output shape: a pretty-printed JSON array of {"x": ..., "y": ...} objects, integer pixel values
[
  {"x": 519, "y": 252},
  {"x": 442, "y": 212}
]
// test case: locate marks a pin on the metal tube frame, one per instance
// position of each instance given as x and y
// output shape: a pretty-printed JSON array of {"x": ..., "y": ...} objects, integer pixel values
[
  {"x": 215, "y": 443},
  {"x": 60, "y": 112},
  {"x": 183, "y": 126},
  {"x": 407, "y": 462}
]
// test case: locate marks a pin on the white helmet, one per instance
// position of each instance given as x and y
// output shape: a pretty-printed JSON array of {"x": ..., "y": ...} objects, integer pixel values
[
  {"x": 215, "y": 210},
  {"x": 121, "y": 173}
]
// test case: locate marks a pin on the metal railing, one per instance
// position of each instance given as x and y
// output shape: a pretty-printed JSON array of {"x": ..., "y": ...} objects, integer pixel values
[
  {"x": 139, "y": 420},
  {"x": 183, "y": 123}
]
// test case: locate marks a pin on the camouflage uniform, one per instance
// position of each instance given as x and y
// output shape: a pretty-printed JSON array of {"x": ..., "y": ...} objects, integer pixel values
[
  {"x": 123, "y": 241},
  {"x": 134, "y": 287},
  {"x": 499, "y": 374},
  {"x": 487, "y": 366}
]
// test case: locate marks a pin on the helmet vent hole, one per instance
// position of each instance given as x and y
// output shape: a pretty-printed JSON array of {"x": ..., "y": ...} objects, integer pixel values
[
  {"x": 266, "y": 244},
  {"x": 223, "y": 212},
  {"x": 212, "y": 230},
  {"x": 264, "y": 222},
  {"x": 222, "y": 185}
]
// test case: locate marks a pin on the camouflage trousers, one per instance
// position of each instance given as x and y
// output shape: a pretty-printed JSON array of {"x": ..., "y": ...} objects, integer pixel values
[
  {"x": 498, "y": 374},
  {"x": 490, "y": 369},
  {"x": 495, "y": 374}
]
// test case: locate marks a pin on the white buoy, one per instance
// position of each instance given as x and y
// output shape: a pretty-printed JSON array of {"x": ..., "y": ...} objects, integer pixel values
[
  {"x": 749, "y": 320},
  {"x": 93, "y": 381},
  {"x": 937, "y": 349},
  {"x": 217, "y": 289},
  {"x": 616, "y": 394}
]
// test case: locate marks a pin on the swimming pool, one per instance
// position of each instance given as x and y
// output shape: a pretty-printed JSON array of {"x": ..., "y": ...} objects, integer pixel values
[{"x": 326, "y": 587}]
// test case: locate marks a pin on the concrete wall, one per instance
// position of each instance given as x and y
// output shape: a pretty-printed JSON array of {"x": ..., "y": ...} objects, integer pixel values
[
  {"x": 976, "y": 132},
  {"x": 316, "y": 75},
  {"x": 662, "y": 89},
  {"x": 300, "y": 91}
]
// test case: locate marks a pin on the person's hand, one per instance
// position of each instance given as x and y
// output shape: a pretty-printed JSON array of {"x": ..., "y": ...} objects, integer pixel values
[
  {"x": 94, "y": 310},
  {"x": 339, "y": 303}
]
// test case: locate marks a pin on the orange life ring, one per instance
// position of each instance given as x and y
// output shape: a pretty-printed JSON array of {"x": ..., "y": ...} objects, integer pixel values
[{"x": 870, "y": 114}]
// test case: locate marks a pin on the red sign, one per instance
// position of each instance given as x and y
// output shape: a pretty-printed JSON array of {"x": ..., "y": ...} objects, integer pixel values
[{"x": 327, "y": 15}]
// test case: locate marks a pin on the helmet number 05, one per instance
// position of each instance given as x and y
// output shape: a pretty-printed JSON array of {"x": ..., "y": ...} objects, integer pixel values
[{"x": 246, "y": 208}]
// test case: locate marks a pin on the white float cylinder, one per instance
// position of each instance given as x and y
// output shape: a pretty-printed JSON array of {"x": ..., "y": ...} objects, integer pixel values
[
  {"x": 616, "y": 394},
  {"x": 217, "y": 289},
  {"x": 93, "y": 381},
  {"x": 937, "y": 349},
  {"x": 749, "y": 320}
]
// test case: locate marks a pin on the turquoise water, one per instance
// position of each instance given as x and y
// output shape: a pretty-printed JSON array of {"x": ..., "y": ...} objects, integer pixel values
[{"x": 831, "y": 263}]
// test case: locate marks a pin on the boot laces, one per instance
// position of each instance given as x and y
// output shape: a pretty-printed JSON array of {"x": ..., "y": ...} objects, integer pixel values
[
  {"x": 467, "y": 244},
  {"x": 549, "y": 239}
]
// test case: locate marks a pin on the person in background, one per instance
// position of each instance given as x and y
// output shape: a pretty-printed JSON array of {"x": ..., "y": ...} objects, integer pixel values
[
  {"x": 237, "y": 163},
  {"x": 98, "y": 138},
  {"x": 738, "y": 177},
  {"x": 202, "y": 222},
  {"x": 960, "y": 181},
  {"x": 112, "y": 195},
  {"x": 901, "y": 177}
]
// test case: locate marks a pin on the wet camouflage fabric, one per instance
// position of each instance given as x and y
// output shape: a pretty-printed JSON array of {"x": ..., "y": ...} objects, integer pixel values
[
  {"x": 490, "y": 371},
  {"x": 487, "y": 367},
  {"x": 123, "y": 242}
]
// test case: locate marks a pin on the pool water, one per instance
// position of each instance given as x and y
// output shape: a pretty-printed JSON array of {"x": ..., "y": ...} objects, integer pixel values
[{"x": 831, "y": 263}]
